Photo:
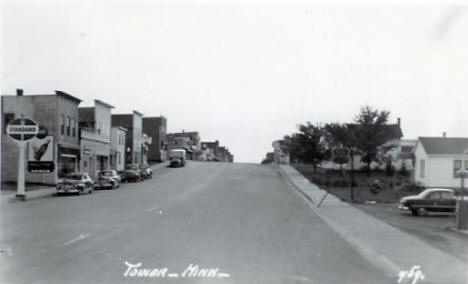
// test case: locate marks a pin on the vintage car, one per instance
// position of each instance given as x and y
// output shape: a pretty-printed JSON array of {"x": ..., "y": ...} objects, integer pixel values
[
  {"x": 429, "y": 200},
  {"x": 77, "y": 182},
  {"x": 146, "y": 171},
  {"x": 132, "y": 173},
  {"x": 177, "y": 158},
  {"x": 107, "y": 179}
]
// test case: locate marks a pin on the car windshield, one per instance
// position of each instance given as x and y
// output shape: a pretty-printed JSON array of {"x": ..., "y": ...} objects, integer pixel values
[
  {"x": 132, "y": 167},
  {"x": 106, "y": 174},
  {"x": 74, "y": 176}
]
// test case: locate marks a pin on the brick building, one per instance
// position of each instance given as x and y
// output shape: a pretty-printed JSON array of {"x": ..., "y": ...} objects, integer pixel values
[
  {"x": 156, "y": 127},
  {"x": 133, "y": 122}
]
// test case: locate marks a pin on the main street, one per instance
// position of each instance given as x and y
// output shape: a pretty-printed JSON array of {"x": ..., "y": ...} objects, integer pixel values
[{"x": 243, "y": 219}]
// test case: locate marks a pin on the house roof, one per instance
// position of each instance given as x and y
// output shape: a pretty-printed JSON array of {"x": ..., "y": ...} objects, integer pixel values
[{"x": 444, "y": 145}]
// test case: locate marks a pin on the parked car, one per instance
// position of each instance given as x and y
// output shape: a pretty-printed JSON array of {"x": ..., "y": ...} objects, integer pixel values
[
  {"x": 77, "y": 182},
  {"x": 132, "y": 173},
  {"x": 146, "y": 171},
  {"x": 107, "y": 179},
  {"x": 177, "y": 158},
  {"x": 430, "y": 200}
]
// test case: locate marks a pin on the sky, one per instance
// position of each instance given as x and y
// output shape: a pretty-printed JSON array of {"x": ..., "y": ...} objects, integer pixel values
[{"x": 247, "y": 73}]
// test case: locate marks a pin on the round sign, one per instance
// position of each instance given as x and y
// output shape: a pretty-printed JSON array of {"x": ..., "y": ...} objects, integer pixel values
[
  {"x": 43, "y": 131},
  {"x": 22, "y": 129}
]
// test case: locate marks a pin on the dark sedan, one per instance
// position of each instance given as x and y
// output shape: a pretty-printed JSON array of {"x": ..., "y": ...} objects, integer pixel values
[
  {"x": 132, "y": 173},
  {"x": 107, "y": 179},
  {"x": 430, "y": 200}
]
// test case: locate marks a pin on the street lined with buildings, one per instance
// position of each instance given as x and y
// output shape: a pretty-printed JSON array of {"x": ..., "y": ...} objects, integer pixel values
[
  {"x": 244, "y": 219},
  {"x": 90, "y": 139}
]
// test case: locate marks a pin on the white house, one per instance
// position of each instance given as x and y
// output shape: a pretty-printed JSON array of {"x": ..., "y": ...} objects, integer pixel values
[
  {"x": 281, "y": 152},
  {"x": 438, "y": 158}
]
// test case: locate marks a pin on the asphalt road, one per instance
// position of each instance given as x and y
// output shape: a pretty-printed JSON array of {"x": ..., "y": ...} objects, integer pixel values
[
  {"x": 432, "y": 229},
  {"x": 242, "y": 219}
]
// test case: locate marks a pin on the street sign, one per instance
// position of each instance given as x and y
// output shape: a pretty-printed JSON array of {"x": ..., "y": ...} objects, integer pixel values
[
  {"x": 340, "y": 155},
  {"x": 22, "y": 129}
]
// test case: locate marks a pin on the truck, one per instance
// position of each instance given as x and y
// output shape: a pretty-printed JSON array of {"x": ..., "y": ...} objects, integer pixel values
[{"x": 177, "y": 158}]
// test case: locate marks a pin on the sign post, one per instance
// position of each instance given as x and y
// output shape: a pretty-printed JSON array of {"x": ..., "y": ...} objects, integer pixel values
[
  {"x": 22, "y": 130},
  {"x": 462, "y": 204}
]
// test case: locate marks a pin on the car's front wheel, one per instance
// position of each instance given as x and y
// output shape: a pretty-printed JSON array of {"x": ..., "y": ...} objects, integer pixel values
[{"x": 422, "y": 211}]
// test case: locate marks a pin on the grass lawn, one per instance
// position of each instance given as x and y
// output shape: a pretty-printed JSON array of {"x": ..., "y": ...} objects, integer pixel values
[{"x": 377, "y": 187}]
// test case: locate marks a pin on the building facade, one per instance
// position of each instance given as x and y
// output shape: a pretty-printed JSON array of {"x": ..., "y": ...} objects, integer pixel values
[
  {"x": 192, "y": 143},
  {"x": 209, "y": 151},
  {"x": 133, "y": 139},
  {"x": 280, "y": 152},
  {"x": 58, "y": 113},
  {"x": 117, "y": 149},
  {"x": 156, "y": 127},
  {"x": 95, "y": 137}
]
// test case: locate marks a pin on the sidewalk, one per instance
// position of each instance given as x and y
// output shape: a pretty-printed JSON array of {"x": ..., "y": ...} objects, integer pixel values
[
  {"x": 10, "y": 195},
  {"x": 388, "y": 248}
]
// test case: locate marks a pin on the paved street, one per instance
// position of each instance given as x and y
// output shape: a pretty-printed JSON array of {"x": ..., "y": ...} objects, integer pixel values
[
  {"x": 432, "y": 229},
  {"x": 241, "y": 218}
]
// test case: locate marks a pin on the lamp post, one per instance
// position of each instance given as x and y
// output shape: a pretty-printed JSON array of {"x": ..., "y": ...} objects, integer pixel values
[{"x": 462, "y": 204}]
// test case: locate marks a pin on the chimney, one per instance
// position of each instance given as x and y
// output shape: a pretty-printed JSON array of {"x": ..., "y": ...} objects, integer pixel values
[
  {"x": 19, "y": 92},
  {"x": 398, "y": 121},
  {"x": 444, "y": 134}
]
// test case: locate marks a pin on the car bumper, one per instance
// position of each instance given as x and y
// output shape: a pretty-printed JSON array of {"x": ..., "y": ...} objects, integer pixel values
[
  {"x": 403, "y": 208},
  {"x": 68, "y": 190}
]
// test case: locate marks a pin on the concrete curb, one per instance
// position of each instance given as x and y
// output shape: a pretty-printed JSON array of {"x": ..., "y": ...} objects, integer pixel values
[
  {"x": 386, "y": 247},
  {"x": 462, "y": 232},
  {"x": 30, "y": 195}
]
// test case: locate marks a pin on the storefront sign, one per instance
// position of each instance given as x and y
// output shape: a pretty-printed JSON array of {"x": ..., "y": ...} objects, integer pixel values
[
  {"x": 87, "y": 151},
  {"x": 41, "y": 155},
  {"x": 40, "y": 167}
]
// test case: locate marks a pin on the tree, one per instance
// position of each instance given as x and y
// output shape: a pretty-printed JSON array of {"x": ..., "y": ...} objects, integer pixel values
[
  {"x": 371, "y": 132},
  {"x": 309, "y": 145},
  {"x": 342, "y": 136}
]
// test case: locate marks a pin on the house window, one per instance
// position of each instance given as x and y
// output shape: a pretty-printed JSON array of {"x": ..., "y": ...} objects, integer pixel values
[
  {"x": 422, "y": 170},
  {"x": 62, "y": 124},
  {"x": 73, "y": 123},
  {"x": 7, "y": 118},
  {"x": 68, "y": 126},
  {"x": 457, "y": 164},
  {"x": 466, "y": 164}
]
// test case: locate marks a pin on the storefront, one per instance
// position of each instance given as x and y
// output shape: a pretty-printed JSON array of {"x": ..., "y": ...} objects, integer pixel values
[
  {"x": 94, "y": 157},
  {"x": 67, "y": 159}
]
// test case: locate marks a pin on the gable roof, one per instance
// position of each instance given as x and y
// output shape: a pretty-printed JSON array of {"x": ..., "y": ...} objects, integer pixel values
[{"x": 445, "y": 145}]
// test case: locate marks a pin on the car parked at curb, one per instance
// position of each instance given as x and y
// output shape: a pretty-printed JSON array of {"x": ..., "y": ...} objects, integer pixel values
[
  {"x": 107, "y": 179},
  {"x": 76, "y": 182},
  {"x": 430, "y": 200},
  {"x": 132, "y": 173},
  {"x": 146, "y": 171}
]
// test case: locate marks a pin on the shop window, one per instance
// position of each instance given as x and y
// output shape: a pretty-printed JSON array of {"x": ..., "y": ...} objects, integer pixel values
[
  {"x": 68, "y": 126},
  {"x": 73, "y": 123},
  {"x": 62, "y": 124},
  {"x": 7, "y": 118}
]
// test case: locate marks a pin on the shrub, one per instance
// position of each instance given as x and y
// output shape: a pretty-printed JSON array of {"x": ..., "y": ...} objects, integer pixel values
[{"x": 389, "y": 169}]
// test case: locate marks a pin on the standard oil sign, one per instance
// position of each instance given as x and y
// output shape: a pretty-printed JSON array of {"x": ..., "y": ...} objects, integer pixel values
[{"x": 22, "y": 129}]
